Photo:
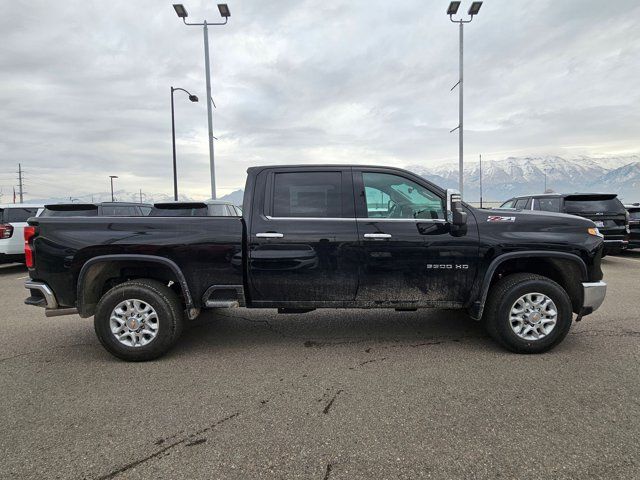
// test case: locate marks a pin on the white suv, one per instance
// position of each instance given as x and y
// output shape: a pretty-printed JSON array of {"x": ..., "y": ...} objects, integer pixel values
[{"x": 13, "y": 219}]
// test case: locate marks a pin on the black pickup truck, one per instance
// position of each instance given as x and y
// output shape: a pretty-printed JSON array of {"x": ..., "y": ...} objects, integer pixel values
[{"x": 329, "y": 236}]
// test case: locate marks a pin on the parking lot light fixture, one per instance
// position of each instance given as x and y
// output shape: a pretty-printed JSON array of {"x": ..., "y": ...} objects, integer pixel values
[
  {"x": 474, "y": 8},
  {"x": 452, "y": 10},
  {"x": 224, "y": 13},
  {"x": 223, "y": 8},
  {"x": 180, "y": 10}
]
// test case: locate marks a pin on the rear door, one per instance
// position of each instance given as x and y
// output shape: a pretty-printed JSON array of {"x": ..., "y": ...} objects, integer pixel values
[
  {"x": 407, "y": 255},
  {"x": 302, "y": 238}
]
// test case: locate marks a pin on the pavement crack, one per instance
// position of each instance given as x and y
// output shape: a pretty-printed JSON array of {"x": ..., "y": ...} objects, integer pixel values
[
  {"x": 163, "y": 450},
  {"x": 374, "y": 360},
  {"x": 327, "y": 472},
  {"x": 35, "y": 352},
  {"x": 328, "y": 406}
]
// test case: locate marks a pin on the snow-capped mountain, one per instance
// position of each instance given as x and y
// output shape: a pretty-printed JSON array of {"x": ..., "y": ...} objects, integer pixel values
[{"x": 502, "y": 179}]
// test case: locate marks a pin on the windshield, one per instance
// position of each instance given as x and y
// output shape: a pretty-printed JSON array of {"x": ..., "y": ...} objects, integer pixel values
[
  {"x": 593, "y": 205},
  {"x": 634, "y": 214}
]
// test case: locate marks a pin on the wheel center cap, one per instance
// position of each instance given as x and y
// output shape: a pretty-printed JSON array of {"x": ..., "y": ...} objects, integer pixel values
[
  {"x": 534, "y": 318},
  {"x": 133, "y": 323}
]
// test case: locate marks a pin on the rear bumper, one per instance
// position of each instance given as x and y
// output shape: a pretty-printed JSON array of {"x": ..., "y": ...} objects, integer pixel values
[
  {"x": 614, "y": 245},
  {"x": 593, "y": 295},
  {"x": 41, "y": 295}
]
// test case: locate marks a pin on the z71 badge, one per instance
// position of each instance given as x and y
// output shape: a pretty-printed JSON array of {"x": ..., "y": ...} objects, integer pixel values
[{"x": 498, "y": 218}]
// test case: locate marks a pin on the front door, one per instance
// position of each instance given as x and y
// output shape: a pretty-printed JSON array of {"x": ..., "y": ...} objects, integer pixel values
[
  {"x": 302, "y": 246},
  {"x": 408, "y": 257}
]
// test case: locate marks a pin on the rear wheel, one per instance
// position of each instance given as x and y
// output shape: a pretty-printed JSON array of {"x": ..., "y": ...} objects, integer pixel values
[
  {"x": 139, "y": 320},
  {"x": 528, "y": 313}
]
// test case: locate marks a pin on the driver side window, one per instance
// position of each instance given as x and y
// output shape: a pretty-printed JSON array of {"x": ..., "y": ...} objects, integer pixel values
[{"x": 393, "y": 196}]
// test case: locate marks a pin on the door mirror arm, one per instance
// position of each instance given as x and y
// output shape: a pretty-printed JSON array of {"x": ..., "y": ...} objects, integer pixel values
[{"x": 456, "y": 216}]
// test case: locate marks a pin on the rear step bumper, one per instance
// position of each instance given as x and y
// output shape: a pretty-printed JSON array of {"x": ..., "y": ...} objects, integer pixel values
[
  {"x": 46, "y": 298},
  {"x": 43, "y": 296}
]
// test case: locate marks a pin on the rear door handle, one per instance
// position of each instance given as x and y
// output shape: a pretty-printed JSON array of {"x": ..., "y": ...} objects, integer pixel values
[
  {"x": 377, "y": 235},
  {"x": 269, "y": 235}
]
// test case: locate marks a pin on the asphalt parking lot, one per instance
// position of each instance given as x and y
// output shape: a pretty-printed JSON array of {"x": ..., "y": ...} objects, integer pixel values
[{"x": 329, "y": 394}]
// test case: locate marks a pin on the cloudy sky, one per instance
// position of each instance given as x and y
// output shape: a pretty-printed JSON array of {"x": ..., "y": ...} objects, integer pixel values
[{"x": 84, "y": 87}]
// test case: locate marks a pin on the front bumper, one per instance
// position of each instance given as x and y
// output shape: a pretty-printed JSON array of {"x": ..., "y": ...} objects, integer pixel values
[{"x": 593, "y": 295}]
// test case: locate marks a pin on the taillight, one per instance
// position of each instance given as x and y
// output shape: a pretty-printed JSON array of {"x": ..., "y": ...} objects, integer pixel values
[
  {"x": 29, "y": 233},
  {"x": 6, "y": 230}
]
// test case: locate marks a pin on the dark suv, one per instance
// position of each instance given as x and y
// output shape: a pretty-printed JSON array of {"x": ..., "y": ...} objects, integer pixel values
[
  {"x": 634, "y": 225},
  {"x": 606, "y": 211}
]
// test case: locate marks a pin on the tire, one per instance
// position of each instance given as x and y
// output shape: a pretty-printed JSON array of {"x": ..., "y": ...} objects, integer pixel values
[
  {"x": 159, "y": 306},
  {"x": 508, "y": 293}
]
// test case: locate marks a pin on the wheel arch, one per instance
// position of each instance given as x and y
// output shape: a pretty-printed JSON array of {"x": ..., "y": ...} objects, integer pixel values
[
  {"x": 566, "y": 269},
  {"x": 98, "y": 271}
]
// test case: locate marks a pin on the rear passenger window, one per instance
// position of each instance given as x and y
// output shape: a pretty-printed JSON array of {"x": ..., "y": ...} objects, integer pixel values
[
  {"x": 17, "y": 215},
  {"x": 522, "y": 203},
  {"x": 547, "y": 204},
  {"x": 308, "y": 194}
]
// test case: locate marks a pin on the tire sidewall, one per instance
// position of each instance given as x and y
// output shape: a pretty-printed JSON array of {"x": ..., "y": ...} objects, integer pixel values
[
  {"x": 166, "y": 320},
  {"x": 563, "y": 322}
]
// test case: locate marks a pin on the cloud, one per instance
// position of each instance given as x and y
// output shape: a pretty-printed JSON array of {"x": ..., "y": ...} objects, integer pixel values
[{"x": 84, "y": 87}]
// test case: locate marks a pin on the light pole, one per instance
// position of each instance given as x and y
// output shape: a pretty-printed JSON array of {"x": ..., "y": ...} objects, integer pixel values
[
  {"x": 451, "y": 11},
  {"x": 224, "y": 12},
  {"x": 193, "y": 98},
  {"x": 111, "y": 177},
  {"x": 480, "y": 180}
]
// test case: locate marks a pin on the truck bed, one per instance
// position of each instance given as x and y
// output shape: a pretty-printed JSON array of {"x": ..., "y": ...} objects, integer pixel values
[{"x": 208, "y": 249}]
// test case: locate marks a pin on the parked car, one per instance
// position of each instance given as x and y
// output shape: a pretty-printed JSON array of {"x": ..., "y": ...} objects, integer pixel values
[
  {"x": 605, "y": 209},
  {"x": 320, "y": 236},
  {"x": 13, "y": 219},
  {"x": 103, "y": 209},
  {"x": 634, "y": 225},
  {"x": 208, "y": 208}
]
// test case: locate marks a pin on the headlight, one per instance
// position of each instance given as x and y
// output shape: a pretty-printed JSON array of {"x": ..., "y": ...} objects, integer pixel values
[{"x": 594, "y": 231}]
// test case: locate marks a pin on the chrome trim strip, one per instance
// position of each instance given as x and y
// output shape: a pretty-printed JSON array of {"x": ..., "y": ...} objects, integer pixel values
[
  {"x": 377, "y": 235},
  {"x": 361, "y": 219},
  {"x": 333, "y": 219},
  {"x": 593, "y": 294},
  {"x": 269, "y": 235},
  {"x": 43, "y": 288},
  {"x": 414, "y": 220}
]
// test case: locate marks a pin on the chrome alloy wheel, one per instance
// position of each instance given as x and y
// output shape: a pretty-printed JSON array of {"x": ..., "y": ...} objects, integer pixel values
[
  {"x": 533, "y": 316},
  {"x": 134, "y": 323}
]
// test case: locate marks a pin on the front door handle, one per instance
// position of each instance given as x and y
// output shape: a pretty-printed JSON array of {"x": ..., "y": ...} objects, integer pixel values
[
  {"x": 269, "y": 235},
  {"x": 377, "y": 235}
]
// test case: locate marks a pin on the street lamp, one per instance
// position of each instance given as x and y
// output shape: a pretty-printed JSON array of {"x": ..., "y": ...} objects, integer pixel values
[
  {"x": 224, "y": 13},
  {"x": 111, "y": 177},
  {"x": 451, "y": 11},
  {"x": 193, "y": 98}
]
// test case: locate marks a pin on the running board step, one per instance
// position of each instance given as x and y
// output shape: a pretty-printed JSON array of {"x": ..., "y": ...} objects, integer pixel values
[{"x": 221, "y": 304}]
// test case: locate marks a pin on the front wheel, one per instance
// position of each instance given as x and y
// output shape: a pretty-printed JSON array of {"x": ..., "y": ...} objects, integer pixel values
[
  {"x": 528, "y": 313},
  {"x": 138, "y": 320}
]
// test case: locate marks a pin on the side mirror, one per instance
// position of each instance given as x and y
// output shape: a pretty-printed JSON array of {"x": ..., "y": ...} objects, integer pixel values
[{"x": 456, "y": 216}]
